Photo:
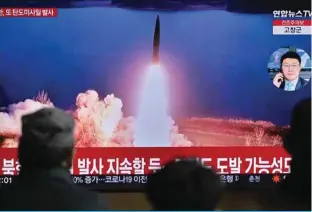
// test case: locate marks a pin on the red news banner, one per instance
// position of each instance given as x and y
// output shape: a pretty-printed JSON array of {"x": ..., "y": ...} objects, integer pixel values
[
  {"x": 28, "y": 12},
  {"x": 292, "y": 22},
  {"x": 126, "y": 161}
]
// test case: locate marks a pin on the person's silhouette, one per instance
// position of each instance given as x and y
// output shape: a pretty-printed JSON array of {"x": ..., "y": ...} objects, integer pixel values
[
  {"x": 184, "y": 185},
  {"x": 298, "y": 144},
  {"x": 294, "y": 193},
  {"x": 45, "y": 153}
]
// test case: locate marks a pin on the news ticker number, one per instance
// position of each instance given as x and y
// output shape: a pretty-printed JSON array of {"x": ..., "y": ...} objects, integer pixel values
[
  {"x": 6, "y": 180},
  {"x": 136, "y": 179}
]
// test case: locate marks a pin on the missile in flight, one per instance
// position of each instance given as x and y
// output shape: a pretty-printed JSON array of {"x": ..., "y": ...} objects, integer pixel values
[{"x": 156, "y": 41}]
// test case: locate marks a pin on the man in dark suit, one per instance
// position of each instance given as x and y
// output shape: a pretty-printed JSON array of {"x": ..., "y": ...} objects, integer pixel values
[
  {"x": 289, "y": 78},
  {"x": 45, "y": 154}
]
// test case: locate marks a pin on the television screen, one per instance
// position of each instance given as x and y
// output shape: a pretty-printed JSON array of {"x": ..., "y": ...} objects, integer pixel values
[{"x": 148, "y": 86}]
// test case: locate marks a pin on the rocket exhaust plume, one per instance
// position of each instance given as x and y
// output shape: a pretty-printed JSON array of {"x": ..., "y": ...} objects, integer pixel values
[{"x": 153, "y": 125}]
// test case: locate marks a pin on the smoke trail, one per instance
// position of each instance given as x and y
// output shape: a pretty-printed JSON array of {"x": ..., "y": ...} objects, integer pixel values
[{"x": 153, "y": 125}]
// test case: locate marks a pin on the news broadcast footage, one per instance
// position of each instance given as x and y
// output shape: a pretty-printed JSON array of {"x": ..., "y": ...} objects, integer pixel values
[{"x": 201, "y": 89}]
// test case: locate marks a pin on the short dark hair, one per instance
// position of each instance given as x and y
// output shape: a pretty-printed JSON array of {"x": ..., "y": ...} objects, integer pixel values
[
  {"x": 47, "y": 139},
  {"x": 298, "y": 140},
  {"x": 32, "y": 156},
  {"x": 298, "y": 144},
  {"x": 292, "y": 55},
  {"x": 184, "y": 185}
]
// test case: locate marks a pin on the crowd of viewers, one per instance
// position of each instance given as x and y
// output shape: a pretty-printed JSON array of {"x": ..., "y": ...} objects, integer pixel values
[{"x": 46, "y": 149}]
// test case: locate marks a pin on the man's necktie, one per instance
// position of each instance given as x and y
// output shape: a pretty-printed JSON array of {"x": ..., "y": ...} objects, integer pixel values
[{"x": 289, "y": 86}]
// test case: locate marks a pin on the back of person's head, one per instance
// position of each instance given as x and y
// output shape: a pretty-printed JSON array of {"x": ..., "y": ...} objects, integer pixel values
[
  {"x": 298, "y": 144},
  {"x": 184, "y": 185},
  {"x": 291, "y": 55},
  {"x": 47, "y": 139},
  {"x": 298, "y": 140}
]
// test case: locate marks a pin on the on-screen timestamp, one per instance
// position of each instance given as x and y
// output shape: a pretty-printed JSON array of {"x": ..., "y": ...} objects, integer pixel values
[{"x": 5, "y": 180}]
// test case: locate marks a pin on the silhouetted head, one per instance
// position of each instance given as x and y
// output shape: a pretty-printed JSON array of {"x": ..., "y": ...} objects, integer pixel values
[
  {"x": 47, "y": 140},
  {"x": 291, "y": 65},
  {"x": 184, "y": 185},
  {"x": 298, "y": 143},
  {"x": 298, "y": 140}
]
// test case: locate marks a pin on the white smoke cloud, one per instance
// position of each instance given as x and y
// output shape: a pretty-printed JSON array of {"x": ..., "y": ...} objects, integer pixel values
[{"x": 99, "y": 122}]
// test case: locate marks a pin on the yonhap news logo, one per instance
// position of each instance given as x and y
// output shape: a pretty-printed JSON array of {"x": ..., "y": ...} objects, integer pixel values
[{"x": 292, "y": 14}]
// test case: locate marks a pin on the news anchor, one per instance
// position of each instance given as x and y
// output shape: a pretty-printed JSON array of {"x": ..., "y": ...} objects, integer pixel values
[{"x": 289, "y": 78}]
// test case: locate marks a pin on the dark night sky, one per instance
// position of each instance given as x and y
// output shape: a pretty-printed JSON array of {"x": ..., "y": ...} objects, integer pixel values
[{"x": 217, "y": 61}]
